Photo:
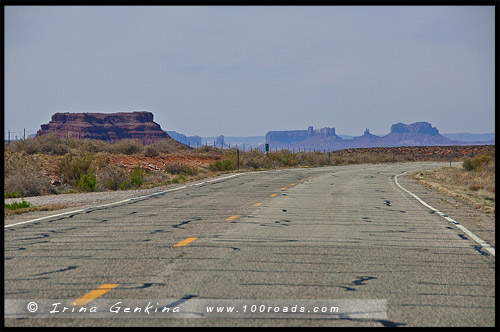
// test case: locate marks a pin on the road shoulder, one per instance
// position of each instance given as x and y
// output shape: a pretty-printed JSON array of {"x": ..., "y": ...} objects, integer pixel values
[{"x": 478, "y": 222}]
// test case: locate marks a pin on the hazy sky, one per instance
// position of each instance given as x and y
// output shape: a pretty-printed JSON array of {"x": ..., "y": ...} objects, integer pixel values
[{"x": 242, "y": 71}]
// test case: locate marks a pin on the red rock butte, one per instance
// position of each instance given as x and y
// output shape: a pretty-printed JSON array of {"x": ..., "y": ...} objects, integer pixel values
[{"x": 109, "y": 127}]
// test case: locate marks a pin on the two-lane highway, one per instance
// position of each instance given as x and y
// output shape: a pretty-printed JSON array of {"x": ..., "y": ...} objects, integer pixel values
[{"x": 334, "y": 233}]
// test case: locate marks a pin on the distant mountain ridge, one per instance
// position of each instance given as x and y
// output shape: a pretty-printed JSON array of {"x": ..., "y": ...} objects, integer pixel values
[
  {"x": 366, "y": 140},
  {"x": 188, "y": 140},
  {"x": 415, "y": 134},
  {"x": 470, "y": 137}
]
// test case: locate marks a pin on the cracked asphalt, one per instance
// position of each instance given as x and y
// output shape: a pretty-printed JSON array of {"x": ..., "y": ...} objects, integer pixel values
[{"x": 309, "y": 234}]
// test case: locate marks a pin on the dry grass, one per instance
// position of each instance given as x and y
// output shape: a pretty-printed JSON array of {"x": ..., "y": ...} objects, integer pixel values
[
  {"x": 476, "y": 186},
  {"x": 25, "y": 175}
]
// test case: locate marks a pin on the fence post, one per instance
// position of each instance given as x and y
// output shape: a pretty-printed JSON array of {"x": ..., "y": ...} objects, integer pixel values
[{"x": 238, "y": 152}]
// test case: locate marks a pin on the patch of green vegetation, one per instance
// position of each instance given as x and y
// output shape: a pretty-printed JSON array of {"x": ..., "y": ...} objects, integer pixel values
[
  {"x": 17, "y": 205},
  {"x": 87, "y": 182},
  {"x": 124, "y": 185},
  {"x": 136, "y": 176},
  {"x": 73, "y": 169},
  {"x": 224, "y": 165},
  {"x": 179, "y": 179}
]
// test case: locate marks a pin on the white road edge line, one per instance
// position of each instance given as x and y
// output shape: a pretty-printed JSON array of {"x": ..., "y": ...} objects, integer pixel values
[
  {"x": 123, "y": 201},
  {"x": 473, "y": 236}
]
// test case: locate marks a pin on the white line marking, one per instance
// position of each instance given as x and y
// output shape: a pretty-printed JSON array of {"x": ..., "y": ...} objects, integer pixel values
[
  {"x": 483, "y": 243},
  {"x": 227, "y": 177},
  {"x": 121, "y": 202}
]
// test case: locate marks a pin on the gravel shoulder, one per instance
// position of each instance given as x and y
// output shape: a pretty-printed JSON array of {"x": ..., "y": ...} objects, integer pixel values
[
  {"x": 478, "y": 222},
  {"x": 77, "y": 201}
]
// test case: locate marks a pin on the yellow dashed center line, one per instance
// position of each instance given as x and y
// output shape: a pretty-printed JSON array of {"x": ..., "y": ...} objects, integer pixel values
[
  {"x": 292, "y": 184},
  {"x": 284, "y": 188},
  {"x": 274, "y": 195},
  {"x": 186, "y": 241},
  {"x": 232, "y": 217},
  {"x": 257, "y": 204},
  {"x": 93, "y": 294}
]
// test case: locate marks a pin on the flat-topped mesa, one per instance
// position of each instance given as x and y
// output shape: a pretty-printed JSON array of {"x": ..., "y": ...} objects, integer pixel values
[
  {"x": 109, "y": 127},
  {"x": 414, "y": 128},
  {"x": 322, "y": 133},
  {"x": 290, "y": 136}
]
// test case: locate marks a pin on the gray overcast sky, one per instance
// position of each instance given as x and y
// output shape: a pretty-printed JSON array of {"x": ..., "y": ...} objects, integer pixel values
[{"x": 242, "y": 71}]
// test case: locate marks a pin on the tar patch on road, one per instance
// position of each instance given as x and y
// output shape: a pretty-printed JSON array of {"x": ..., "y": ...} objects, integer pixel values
[
  {"x": 479, "y": 249},
  {"x": 57, "y": 271},
  {"x": 361, "y": 280}
]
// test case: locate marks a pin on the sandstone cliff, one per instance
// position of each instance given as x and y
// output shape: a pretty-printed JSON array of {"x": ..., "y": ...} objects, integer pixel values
[{"x": 109, "y": 127}]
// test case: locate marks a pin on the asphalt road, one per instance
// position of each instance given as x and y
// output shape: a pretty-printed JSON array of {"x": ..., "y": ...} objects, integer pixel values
[{"x": 256, "y": 241}]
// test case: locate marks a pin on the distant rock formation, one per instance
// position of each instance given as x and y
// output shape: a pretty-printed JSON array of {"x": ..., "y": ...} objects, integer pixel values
[
  {"x": 367, "y": 140},
  {"x": 193, "y": 141},
  {"x": 415, "y": 134},
  {"x": 293, "y": 136},
  {"x": 108, "y": 127},
  {"x": 414, "y": 128},
  {"x": 219, "y": 141},
  {"x": 471, "y": 137}
]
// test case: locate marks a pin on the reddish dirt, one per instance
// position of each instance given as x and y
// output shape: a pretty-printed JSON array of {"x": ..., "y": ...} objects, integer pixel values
[
  {"x": 159, "y": 163},
  {"x": 457, "y": 151}
]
